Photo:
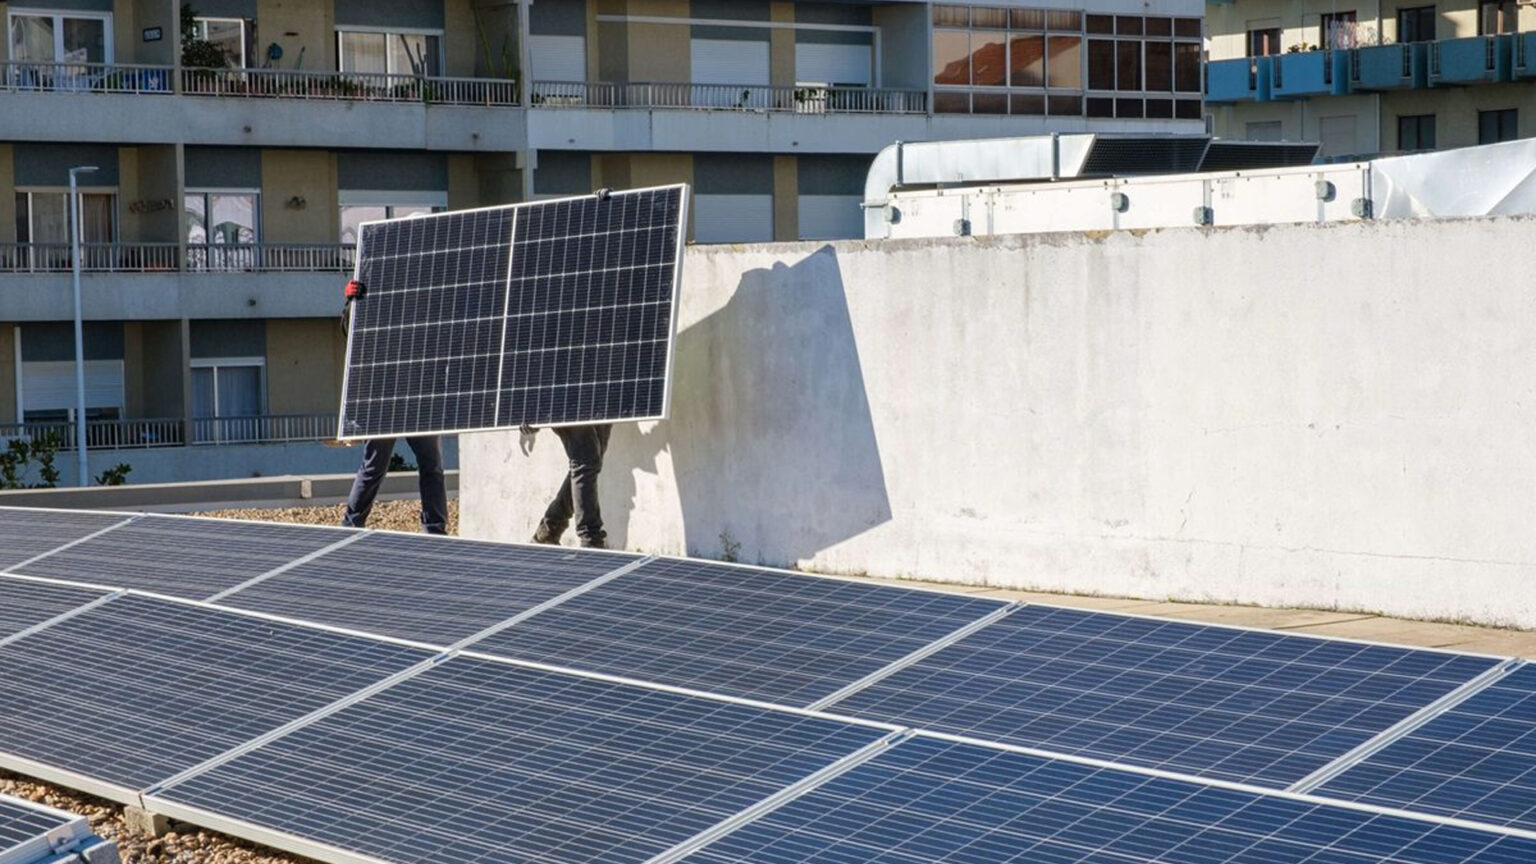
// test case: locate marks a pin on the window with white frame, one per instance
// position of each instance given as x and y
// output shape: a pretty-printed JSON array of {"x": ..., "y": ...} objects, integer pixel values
[
  {"x": 395, "y": 52},
  {"x": 225, "y": 389},
  {"x": 47, "y": 36},
  {"x": 229, "y": 35},
  {"x": 358, "y": 207},
  {"x": 222, "y": 228},
  {"x": 42, "y": 225}
]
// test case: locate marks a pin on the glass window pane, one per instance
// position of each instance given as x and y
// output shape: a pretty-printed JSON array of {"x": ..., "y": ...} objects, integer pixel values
[
  {"x": 1064, "y": 63},
  {"x": 1187, "y": 109},
  {"x": 951, "y": 103},
  {"x": 1101, "y": 107},
  {"x": 195, "y": 218},
  {"x": 85, "y": 40},
  {"x": 1159, "y": 26},
  {"x": 412, "y": 54},
  {"x": 989, "y": 103},
  {"x": 50, "y": 217},
  {"x": 1101, "y": 64},
  {"x": 97, "y": 217},
  {"x": 952, "y": 16},
  {"x": 951, "y": 57},
  {"x": 239, "y": 391},
  {"x": 23, "y": 216},
  {"x": 1128, "y": 65},
  {"x": 32, "y": 38},
  {"x": 1026, "y": 61},
  {"x": 1064, "y": 106},
  {"x": 989, "y": 61},
  {"x": 989, "y": 19},
  {"x": 1188, "y": 27},
  {"x": 228, "y": 34},
  {"x": 1128, "y": 25},
  {"x": 363, "y": 52},
  {"x": 233, "y": 219},
  {"x": 1161, "y": 109},
  {"x": 202, "y": 393},
  {"x": 1101, "y": 24},
  {"x": 1160, "y": 66},
  {"x": 352, "y": 217},
  {"x": 1128, "y": 108},
  {"x": 1028, "y": 19},
  {"x": 1186, "y": 67},
  {"x": 1024, "y": 103},
  {"x": 1064, "y": 20}
]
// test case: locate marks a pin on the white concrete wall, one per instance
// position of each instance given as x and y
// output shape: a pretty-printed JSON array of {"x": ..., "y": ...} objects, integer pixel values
[{"x": 1336, "y": 416}]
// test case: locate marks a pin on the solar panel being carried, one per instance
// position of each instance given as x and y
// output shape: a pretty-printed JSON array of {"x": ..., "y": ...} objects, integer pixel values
[
  {"x": 1475, "y": 761},
  {"x": 549, "y": 312},
  {"x": 1219, "y": 702},
  {"x": 479, "y": 760}
]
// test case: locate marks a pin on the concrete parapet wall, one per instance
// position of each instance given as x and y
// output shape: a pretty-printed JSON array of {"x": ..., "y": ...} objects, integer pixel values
[{"x": 1334, "y": 416}]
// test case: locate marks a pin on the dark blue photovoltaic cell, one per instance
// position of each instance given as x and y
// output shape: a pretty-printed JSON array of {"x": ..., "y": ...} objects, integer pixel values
[
  {"x": 739, "y": 631},
  {"x": 21, "y": 822},
  {"x": 935, "y": 802},
  {"x": 1212, "y": 701},
  {"x": 24, "y": 603},
  {"x": 480, "y": 761},
  {"x": 27, "y": 533},
  {"x": 1476, "y": 761},
  {"x": 429, "y": 589},
  {"x": 138, "y": 689},
  {"x": 183, "y": 556}
]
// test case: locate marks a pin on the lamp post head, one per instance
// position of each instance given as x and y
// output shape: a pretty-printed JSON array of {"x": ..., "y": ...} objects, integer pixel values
[{"x": 82, "y": 169}]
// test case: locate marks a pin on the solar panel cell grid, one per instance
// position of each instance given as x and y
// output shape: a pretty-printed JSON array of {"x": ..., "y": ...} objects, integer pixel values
[
  {"x": 1212, "y": 701},
  {"x": 481, "y": 761},
  {"x": 928, "y": 801},
  {"x": 1476, "y": 761},
  {"x": 24, "y": 603},
  {"x": 181, "y": 557},
  {"x": 139, "y": 689},
  {"x": 26, "y": 534},
  {"x": 747, "y": 632},
  {"x": 427, "y": 589},
  {"x": 21, "y": 822}
]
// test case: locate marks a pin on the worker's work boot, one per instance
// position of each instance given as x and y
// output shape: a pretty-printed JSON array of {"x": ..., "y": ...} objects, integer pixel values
[{"x": 547, "y": 535}]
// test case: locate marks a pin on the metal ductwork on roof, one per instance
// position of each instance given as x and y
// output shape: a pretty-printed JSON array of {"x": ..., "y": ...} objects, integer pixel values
[{"x": 1056, "y": 157}]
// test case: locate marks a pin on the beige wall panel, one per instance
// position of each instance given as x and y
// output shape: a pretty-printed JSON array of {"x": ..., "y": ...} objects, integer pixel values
[
  {"x": 497, "y": 178},
  {"x": 160, "y": 184},
  {"x": 653, "y": 8},
  {"x": 315, "y": 24},
  {"x": 463, "y": 182},
  {"x": 306, "y": 174},
  {"x": 460, "y": 39},
  {"x": 594, "y": 43},
  {"x": 781, "y": 47},
  {"x": 8, "y": 374},
  {"x": 303, "y": 365},
  {"x": 7, "y": 199},
  {"x": 786, "y": 198},
  {"x": 608, "y": 55},
  {"x": 164, "y": 14},
  {"x": 5, "y": 44},
  {"x": 611, "y": 170},
  {"x": 659, "y": 53},
  {"x": 660, "y": 169},
  {"x": 164, "y": 365},
  {"x": 133, "y": 368},
  {"x": 1287, "y": 114}
]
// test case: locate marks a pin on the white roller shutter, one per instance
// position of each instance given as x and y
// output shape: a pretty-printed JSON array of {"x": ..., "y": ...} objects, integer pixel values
[
  {"x": 831, "y": 217},
  {"x": 733, "y": 218},
  {"x": 50, "y": 385},
  {"x": 817, "y": 63},
  {"x": 730, "y": 61},
  {"x": 558, "y": 58}
]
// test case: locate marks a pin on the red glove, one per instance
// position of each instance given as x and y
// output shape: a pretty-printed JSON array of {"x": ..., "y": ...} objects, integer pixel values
[{"x": 355, "y": 289}]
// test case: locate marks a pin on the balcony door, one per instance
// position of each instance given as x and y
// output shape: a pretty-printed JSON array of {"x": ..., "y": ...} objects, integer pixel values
[
  {"x": 221, "y": 228},
  {"x": 393, "y": 52},
  {"x": 42, "y": 227},
  {"x": 227, "y": 398},
  {"x": 62, "y": 45}
]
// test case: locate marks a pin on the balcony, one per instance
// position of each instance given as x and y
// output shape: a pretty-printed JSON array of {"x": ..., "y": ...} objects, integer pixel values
[
  {"x": 1473, "y": 60},
  {"x": 1302, "y": 74},
  {"x": 1243, "y": 79},
  {"x": 1524, "y": 50},
  {"x": 1390, "y": 67},
  {"x": 168, "y": 257},
  {"x": 727, "y": 97},
  {"x": 148, "y": 433}
]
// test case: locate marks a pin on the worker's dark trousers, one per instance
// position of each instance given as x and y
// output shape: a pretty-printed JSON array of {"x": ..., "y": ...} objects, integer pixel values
[
  {"x": 370, "y": 475},
  {"x": 584, "y": 447}
]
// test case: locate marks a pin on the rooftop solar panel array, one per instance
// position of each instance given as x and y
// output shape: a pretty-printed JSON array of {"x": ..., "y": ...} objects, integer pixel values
[
  {"x": 23, "y": 823},
  {"x": 139, "y": 689},
  {"x": 936, "y": 801},
  {"x": 1475, "y": 761},
  {"x": 181, "y": 557},
  {"x": 429, "y": 589},
  {"x": 476, "y": 760},
  {"x": 25, "y": 603},
  {"x": 546, "y": 312},
  {"x": 746, "y": 632},
  {"x": 1216, "y": 702},
  {"x": 29, "y": 533},
  {"x": 342, "y": 744}
]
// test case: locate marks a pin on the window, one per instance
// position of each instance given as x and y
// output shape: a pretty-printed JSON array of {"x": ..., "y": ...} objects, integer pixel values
[
  {"x": 1337, "y": 30},
  {"x": 1498, "y": 125},
  {"x": 951, "y": 57},
  {"x": 354, "y": 215},
  {"x": 1416, "y": 132},
  {"x": 223, "y": 389},
  {"x": 61, "y": 46},
  {"x": 229, "y": 35},
  {"x": 1416, "y": 24},
  {"x": 221, "y": 228},
  {"x": 1263, "y": 42},
  {"x": 1495, "y": 17},
  {"x": 391, "y": 52},
  {"x": 42, "y": 227}
]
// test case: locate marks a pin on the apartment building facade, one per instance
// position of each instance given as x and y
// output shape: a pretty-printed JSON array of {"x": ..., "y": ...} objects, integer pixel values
[
  {"x": 220, "y": 222},
  {"x": 1372, "y": 78}
]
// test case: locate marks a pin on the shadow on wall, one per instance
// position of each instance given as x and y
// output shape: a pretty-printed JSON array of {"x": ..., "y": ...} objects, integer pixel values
[{"x": 770, "y": 433}]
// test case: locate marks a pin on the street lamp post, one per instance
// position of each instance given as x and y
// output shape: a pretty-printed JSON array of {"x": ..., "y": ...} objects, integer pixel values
[{"x": 74, "y": 259}]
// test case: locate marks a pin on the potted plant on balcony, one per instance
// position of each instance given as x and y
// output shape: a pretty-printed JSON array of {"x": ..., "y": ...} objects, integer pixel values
[{"x": 202, "y": 57}]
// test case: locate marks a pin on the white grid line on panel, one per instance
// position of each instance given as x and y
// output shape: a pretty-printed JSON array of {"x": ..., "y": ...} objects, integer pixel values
[
  {"x": 917, "y": 656},
  {"x": 506, "y": 304},
  {"x": 677, "y": 290},
  {"x": 345, "y": 541},
  {"x": 93, "y": 535},
  {"x": 780, "y": 798},
  {"x": 1405, "y": 727},
  {"x": 61, "y": 617},
  {"x": 550, "y": 603}
]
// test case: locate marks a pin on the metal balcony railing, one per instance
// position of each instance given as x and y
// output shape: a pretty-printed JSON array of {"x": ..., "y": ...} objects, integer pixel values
[
  {"x": 263, "y": 429},
  {"x": 352, "y": 86},
  {"x": 94, "y": 257},
  {"x": 728, "y": 97},
  {"x": 270, "y": 258},
  {"x": 171, "y": 432},
  {"x": 18, "y": 76}
]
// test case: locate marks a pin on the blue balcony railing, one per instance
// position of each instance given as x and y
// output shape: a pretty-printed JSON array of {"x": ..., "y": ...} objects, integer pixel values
[
  {"x": 1310, "y": 73},
  {"x": 1524, "y": 49},
  {"x": 1390, "y": 67},
  {"x": 1473, "y": 60},
  {"x": 1242, "y": 79}
]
